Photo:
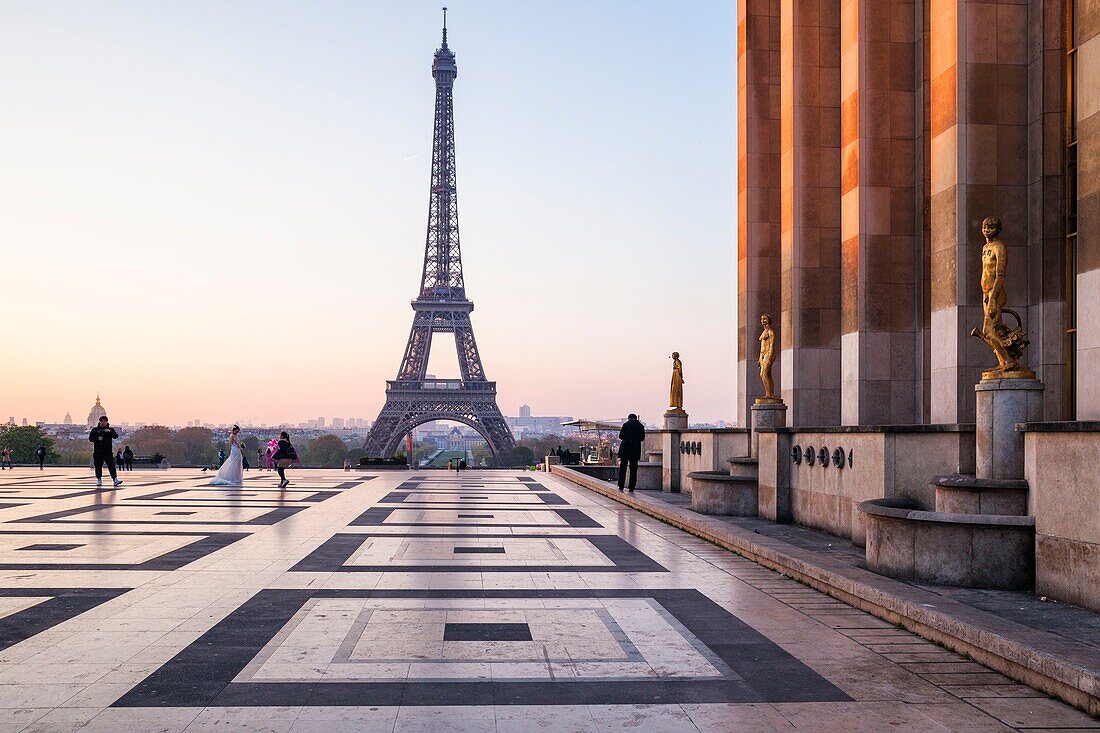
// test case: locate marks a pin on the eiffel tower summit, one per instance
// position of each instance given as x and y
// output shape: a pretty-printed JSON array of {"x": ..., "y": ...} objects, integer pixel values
[{"x": 441, "y": 307}]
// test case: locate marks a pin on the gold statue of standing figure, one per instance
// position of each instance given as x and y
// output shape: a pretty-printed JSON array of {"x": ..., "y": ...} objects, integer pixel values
[
  {"x": 767, "y": 359},
  {"x": 676, "y": 392},
  {"x": 1007, "y": 344}
]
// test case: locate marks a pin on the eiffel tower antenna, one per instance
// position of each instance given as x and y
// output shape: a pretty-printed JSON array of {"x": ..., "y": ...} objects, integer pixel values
[{"x": 441, "y": 307}]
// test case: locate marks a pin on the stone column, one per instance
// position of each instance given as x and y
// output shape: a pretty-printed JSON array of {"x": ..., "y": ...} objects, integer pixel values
[
  {"x": 809, "y": 326},
  {"x": 1046, "y": 315},
  {"x": 978, "y": 66},
  {"x": 1001, "y": 404},
  {"x": 878, "y": 216},
  {"x": 758, "y": 260},
  {"x": 1087, "y": 34}
]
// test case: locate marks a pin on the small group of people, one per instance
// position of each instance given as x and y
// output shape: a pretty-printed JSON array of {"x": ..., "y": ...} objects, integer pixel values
[
  {"x": 124, "y": 459},
  {"x": 568, "y": 457},
  {"x": 279, "y": 456}
]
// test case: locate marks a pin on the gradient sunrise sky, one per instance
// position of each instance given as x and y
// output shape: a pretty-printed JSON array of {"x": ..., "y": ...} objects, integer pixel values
[{"x": 217, "y": 210}]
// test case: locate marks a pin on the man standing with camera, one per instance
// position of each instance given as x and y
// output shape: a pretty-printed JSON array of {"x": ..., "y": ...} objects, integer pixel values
[{"x": 101, "y": 438}]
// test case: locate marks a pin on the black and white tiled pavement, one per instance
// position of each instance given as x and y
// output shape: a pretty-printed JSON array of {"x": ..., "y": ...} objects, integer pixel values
[{"x": 398, "y": 601}]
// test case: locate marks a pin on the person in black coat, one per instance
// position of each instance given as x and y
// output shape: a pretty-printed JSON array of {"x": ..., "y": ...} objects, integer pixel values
[
  {"x": 128, "y": 457},
  {"x": 630, "y": 450},
  {"x": 102, "y": 452},
  {"x": 41, "y": 453},
  {"x": 284, "y": 457}
]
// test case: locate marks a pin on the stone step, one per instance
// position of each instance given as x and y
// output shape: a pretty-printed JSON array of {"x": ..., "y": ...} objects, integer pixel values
[
  {"x": 965, "y": 494},
  {"x": 744, "y": 466}
]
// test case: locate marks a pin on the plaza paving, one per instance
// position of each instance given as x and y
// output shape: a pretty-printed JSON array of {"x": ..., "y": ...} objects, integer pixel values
[{"x": 400, "y": 601}]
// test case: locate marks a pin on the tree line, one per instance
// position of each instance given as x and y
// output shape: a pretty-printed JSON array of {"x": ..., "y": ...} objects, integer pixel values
[{"x": 198, "y": 447}]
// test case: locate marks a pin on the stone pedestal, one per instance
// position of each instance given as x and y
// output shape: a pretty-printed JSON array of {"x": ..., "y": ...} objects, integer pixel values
[
  {"x": 1001, "y": 403},
  {"x": 676, "y": 420},
  {"x": 766, "y": 413}
]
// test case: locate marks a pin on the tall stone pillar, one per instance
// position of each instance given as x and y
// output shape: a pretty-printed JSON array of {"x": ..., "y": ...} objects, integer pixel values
[
  {"x": 1087, "y": 36},
  {"x": 809, "y": 330},
  {"x": 878, "y": 217},
  {"x": 758, "y": 260},
  {"x": 978, "y": 66}
]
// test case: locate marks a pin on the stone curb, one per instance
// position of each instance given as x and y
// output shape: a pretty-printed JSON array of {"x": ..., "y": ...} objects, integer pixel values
[{"x": 1046, "y": 662}]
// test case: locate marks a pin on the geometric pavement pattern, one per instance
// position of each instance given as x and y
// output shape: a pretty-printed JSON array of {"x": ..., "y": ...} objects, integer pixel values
[{"x": 401, "y": 601}]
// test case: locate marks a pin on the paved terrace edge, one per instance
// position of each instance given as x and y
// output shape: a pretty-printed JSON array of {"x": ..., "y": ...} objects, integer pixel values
[{"x": 1046, "y": 662}]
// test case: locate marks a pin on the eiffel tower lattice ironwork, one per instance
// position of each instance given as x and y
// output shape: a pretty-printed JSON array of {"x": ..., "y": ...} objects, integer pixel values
[{"x": 442, "y": 307}]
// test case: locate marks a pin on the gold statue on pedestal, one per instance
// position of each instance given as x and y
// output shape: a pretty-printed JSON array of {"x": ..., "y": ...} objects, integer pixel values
[
  {"x": 676, "y": 392},
  {"x": 1007, "y": 344},
  {"x": 766, "y": 360}
]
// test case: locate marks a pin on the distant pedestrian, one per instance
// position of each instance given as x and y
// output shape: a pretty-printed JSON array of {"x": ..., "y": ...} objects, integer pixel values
[
  {"x": 221, "y": 458},
  {"x": 284, "y": 457},
  {"x": 40, "y": 451},
  {"x": 347, "y": 464},
  {"x": 260, "y": 458},
  {"x": 120, "y": 461},
  {"x": 128, "y": 457},
  {"x": 5, "y": 458},
  {"x": 102, "y": 437},
  {"x": 631, "y": 436},
  {"x": 462, "y": 464},
  {"x": 450, "y": 464}
]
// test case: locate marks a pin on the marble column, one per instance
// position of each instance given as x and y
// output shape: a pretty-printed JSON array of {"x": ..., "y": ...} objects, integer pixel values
[
  {"x": 879, "y": 252},
  {"x": 1087, "y": 36},
  {"x": 979, "y": 115},
  {"x": 809, "y": 325},
  {"x": 758, "y": 260}
]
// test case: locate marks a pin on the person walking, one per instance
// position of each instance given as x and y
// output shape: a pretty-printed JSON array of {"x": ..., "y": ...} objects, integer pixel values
[
  {"x": 260, "y": 457},
  {"x": 630, "y": 450},
  {"x": 128, "y": 458},
  {"x": 221, "y": 456},
  {"x": 284, "y": 457},
  {"x": 120, "y": 461},
  {"x": 5, "y": 458},
  {"x": 102, "y": 437},
  {"x": 40, "y": 451}
]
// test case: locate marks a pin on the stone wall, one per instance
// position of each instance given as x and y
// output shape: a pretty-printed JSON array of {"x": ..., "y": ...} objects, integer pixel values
[
  {"x": 887, "y": 462},
  {"x": 715, "y": 447},
  {"x": 1060, "y": 463}
]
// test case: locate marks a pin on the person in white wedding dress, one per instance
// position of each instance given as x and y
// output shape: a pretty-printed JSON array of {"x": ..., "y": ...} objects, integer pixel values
[{"x": 232, "y": 471}]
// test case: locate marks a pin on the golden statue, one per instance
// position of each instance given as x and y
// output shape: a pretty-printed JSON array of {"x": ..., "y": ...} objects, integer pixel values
[
  {"x": 676, "y": 393},
  {"x": 767, "y": 358},
  {"x": 1007, "y": 344}
]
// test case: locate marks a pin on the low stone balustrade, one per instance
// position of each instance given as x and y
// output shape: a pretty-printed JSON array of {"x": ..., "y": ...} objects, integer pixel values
[{"x": 716, "y": 492}]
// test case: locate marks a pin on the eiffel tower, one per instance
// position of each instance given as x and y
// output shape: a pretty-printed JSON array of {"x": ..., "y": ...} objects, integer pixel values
[{"x": 442, "y": 307}]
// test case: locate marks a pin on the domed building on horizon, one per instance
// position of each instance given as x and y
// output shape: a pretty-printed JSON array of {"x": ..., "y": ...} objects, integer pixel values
[{"x": 97, "y": 412}]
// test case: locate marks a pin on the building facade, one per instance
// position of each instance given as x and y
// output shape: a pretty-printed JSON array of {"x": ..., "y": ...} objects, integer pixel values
[{"x": 874, "y": 138}]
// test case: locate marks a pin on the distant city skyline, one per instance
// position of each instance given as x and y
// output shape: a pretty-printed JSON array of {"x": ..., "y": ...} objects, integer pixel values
[
  {"x": 219, "y": 209},
  {"x": 524, "y": 415}
]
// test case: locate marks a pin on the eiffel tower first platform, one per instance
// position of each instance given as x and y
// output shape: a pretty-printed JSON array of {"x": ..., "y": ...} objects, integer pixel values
[{"x": 441, "y": 307}]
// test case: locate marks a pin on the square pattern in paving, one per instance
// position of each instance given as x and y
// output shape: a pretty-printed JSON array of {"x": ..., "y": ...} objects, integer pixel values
[{"x": 424, "y": 601}]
